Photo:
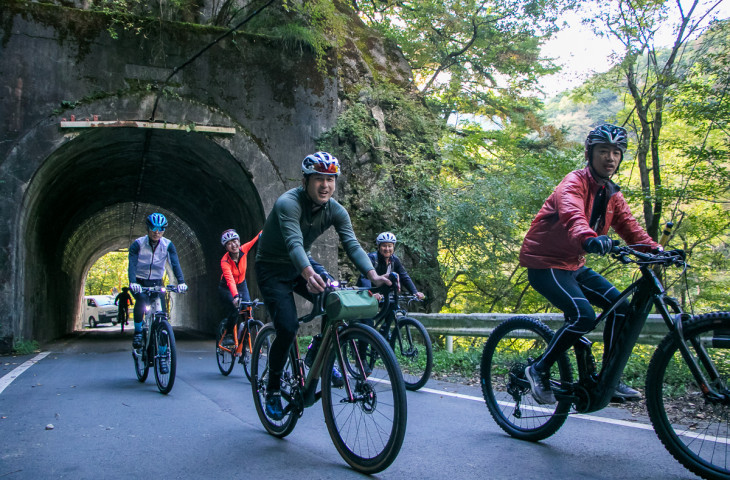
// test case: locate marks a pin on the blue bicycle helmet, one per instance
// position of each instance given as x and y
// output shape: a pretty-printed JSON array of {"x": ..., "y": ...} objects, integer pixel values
[
  {"x": 321, "y": 162},
  {"x": 156, "y": 220}
]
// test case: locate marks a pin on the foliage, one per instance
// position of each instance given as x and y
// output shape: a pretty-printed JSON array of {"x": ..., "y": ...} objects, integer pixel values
[
  {"x": 127, "y": 14},
  {"x": 109, "y": 272},
  {"x": 492, "y": 184},
  {"x": 387, "y": 135},
  {"x": 25, "y": 347},
  {"x": 469, "y": 56},
  {"x": 647, "y": 73}
]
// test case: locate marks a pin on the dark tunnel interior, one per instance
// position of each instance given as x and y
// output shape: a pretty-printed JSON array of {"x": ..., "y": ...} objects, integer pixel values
[{"x": 91, "y": 196}]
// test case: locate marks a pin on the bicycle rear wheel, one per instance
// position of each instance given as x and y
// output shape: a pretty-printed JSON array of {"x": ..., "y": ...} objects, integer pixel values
[
  {"x": 368, "y": 426},
  {"x": 259, "y": 382},
  {"x": 248, "y": 339},
  {"x": 141, "y": 365},
  {"x": 512, "y": 346},
  {"x": 412, "y": 347},
  {"x": 692, "y": 427},
  {"x": 165, "y": 355},
  {"x": 224, "y": 356}
]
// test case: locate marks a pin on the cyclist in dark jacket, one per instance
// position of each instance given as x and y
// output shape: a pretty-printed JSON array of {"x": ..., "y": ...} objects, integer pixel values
[
  {"x": 385, "y": 262},
  {"x": 284, "y": 265},
  {"x": 124, "y": 300},
  {"x": 574, "y": 221}
]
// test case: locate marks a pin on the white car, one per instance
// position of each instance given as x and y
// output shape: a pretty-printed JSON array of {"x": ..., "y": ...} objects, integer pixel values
[{"x": 99, "y": 309}]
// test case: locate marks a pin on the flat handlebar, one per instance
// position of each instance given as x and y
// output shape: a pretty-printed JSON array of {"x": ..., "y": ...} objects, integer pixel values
[{"x": 628, "y": 254}]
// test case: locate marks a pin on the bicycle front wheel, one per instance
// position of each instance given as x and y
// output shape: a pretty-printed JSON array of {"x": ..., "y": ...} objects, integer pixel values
[
  {"x": 367, "y": 417},
  {"x": 139, "y": 355},
  {"x": 165, "y": 357},
  {"x": 248, "y": 339},
  {"x": 693, "y": 427},
  {"x": 259, "y": 384},
  {"x": 413, "y": 350},
  {"x": 223, "y": 355},
  {"x": 512, "y": 346}
]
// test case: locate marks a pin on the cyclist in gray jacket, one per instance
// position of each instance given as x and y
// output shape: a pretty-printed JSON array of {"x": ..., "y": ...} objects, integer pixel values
[{"x": 284, "y": 265}]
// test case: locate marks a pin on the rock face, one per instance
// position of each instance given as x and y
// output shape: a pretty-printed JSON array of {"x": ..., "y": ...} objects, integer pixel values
[{"x": 82, "y": 161}]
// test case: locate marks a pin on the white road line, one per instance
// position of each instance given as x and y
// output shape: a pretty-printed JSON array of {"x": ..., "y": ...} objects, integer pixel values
[
  {"x": 16, "y": 372},
  {"x": 592, "y": 418}
]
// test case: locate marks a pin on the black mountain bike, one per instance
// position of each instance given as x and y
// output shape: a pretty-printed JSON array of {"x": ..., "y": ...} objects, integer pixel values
[
  {"x": 407, "y": 337},
  {"x": 366, "y": 417},
  {"x": 158, "y": 350},
  {"x": 691, "y": 366},
  {"x": 243, "y": 336}
]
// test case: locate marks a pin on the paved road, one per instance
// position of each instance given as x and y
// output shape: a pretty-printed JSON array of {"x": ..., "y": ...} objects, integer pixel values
[{"x": 108, "y": 425}]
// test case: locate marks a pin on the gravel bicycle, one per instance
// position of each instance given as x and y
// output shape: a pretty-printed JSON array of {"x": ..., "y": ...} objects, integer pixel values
[
  {"x": 691, "y": 366},
  {"x": 243, "y": 336},
  {"x": 158, "y": 350},
  {"x": 406, "y": 336},
  {"x": 366, "y": 417}
]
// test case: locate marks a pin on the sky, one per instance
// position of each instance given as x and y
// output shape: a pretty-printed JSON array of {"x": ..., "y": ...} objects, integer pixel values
[{"x": 582, "y": 54}]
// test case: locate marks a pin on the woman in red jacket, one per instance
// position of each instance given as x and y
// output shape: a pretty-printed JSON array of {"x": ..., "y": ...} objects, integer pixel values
[
  {"x": 233, "y": 288},
  {"x": 574, "y": 221}
]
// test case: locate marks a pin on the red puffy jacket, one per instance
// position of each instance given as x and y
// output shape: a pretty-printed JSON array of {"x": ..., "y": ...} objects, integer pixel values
[
  {"x": 556, "y": 235},
  {"x": 235, "y": 272}
]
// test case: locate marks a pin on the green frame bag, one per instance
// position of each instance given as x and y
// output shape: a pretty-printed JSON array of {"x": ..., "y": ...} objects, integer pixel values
[{"x": 351, "y": 305}]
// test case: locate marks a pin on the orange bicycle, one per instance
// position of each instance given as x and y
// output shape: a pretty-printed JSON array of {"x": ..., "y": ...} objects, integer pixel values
[{"x": 240, "y": 343}]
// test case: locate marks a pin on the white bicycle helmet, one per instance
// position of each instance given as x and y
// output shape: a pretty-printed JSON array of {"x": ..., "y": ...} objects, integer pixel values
[
  {"x": 385, "y": 237},
  {"x": 229, "y": 235}
]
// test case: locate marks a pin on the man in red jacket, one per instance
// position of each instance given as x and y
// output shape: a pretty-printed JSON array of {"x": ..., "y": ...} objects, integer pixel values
[{"x": 574, "y": 221}]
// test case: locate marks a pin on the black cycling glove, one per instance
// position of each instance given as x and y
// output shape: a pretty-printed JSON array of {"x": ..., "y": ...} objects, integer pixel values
[
  {"x": 678, "y": 252},
  {"x": 600, "y": 245}
]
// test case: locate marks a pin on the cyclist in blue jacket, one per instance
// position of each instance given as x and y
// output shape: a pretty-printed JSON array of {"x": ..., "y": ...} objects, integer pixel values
[
  {"x": 147, "y": 258},
  {"x": 385, "y": 261}
]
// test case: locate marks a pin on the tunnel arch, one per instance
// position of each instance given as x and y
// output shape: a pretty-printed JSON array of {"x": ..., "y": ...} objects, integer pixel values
[{"x": 90, "y": 196}]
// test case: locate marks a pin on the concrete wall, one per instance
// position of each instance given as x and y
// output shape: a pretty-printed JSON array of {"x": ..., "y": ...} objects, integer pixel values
[{"x": 68, "y": 196}]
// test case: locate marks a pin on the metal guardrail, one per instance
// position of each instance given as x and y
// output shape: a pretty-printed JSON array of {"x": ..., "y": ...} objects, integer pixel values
[{"x": 482, "y": 324}]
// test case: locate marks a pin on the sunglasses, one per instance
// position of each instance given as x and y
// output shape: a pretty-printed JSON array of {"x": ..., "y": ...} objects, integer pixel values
[
  {"x": 157, "y": 229},
  {"x": 322, "y": 168}
]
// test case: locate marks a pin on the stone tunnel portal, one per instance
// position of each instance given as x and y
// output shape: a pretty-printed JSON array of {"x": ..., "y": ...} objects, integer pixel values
[{"x": 91, "y": 196}]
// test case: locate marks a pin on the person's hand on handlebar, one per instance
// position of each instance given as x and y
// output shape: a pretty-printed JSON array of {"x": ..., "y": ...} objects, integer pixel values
[
  {"x": 677, "y": 252},
  {"x": 378, "y": 280},
  {"x": 315, "y": 282},
  {"x": 600, "y": 245}
]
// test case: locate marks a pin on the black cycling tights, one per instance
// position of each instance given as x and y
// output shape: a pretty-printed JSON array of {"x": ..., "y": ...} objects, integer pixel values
[{"x": 574, "y": 292}]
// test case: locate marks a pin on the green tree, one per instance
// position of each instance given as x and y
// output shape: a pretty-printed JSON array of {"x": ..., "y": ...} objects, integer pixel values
[
  {"x": 648, "y": 73},
  {"x": 470, "y": 56},
  {"x": 108, "y": 272}
]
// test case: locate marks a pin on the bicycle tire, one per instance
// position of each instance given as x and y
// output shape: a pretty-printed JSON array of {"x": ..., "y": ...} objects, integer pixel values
[
  {"x": 224, "y": 356},
  {"x": 260, "y": 377},
  {"x": 698, "y": 434},
  {"x": 164, "y": 337},
  {"x": 414, "y": 352},
  {"x": 249, "y": 338},
  {"x": 367, "y": 430},
  {"x": 513, "y": 345},
  {"x": 141, "y": 365}
]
